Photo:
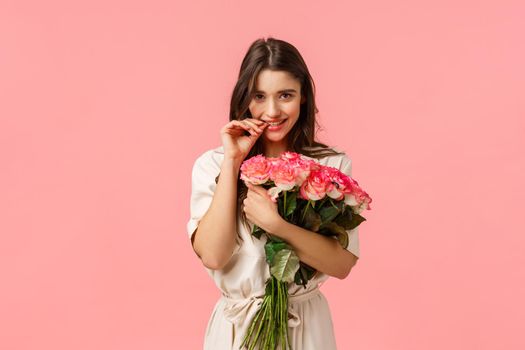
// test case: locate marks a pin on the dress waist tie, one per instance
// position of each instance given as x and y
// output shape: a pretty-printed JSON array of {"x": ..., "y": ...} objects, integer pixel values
[{"x": 242, "y": 310}]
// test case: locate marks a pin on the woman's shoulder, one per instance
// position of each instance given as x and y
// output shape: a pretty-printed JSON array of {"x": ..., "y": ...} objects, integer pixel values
[
  {"x": 210, "y": 159},
  {"x": 336, "y": 160}
]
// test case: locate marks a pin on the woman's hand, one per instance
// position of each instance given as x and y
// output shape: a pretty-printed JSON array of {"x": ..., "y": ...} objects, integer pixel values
[
  {"x": 260, "y": 209},
  {"x": 236, "y": 144}
]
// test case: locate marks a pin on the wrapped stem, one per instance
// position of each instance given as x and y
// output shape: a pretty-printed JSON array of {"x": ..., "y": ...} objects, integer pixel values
[{"x": 269, "y": 326}]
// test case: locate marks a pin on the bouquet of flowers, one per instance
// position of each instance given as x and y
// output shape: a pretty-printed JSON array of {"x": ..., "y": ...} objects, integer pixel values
[{"x": 316, "y": 197}]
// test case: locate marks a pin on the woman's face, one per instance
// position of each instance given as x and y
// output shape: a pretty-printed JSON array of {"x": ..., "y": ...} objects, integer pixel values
[{"x": 277, "y": 98}]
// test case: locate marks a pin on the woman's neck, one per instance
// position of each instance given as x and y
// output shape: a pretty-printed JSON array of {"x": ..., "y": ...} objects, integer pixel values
[{"x": 274, "y": 150}]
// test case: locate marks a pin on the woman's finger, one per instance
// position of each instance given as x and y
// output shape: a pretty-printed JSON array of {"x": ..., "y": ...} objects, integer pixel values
[
  {"x": 256, "y": 121},
  {"x": 236, "y": 124},
  {"x": 253, "y": 124}
]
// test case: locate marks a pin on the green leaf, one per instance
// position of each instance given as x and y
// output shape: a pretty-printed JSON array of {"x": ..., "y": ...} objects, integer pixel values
[
  {"x": 284, "y": 265},
  {"x": 312, "y": 220},
  {"x": 341, "y": 205},
  {"x": 273, "y": 247},
  {"x": 298, "y": 278},
  {"x": 334, "y": 229},
  {"x": 329, "y": 213},
  {"x": 310, "y": 271},
  {"x": 257, "y": 231},
  {"x": 304, "y": 274},
  {"x": 280, "y": 205},
  {"x": 345, "y": 219},
  {"x": 348, "y": 219},
  {"x": 291, "y": 202}
]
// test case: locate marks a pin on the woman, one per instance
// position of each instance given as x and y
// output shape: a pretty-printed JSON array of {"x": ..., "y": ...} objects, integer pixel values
[{"x": 272, "y": 110}]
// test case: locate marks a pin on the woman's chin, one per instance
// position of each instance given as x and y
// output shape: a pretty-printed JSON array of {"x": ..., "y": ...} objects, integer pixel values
[{"x": 274, "y": 137}]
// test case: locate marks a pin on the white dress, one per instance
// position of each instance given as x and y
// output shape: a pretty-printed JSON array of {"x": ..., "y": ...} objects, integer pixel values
[{"x": 242, "y": 281}]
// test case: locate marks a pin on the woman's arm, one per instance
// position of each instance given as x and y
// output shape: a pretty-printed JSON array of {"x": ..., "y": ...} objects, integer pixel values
[
  {"x": 320, "y": 252},
  {"x": 214, "y": 239}
]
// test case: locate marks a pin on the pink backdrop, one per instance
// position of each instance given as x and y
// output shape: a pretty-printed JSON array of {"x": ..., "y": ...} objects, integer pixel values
[{"x": 105, "y": 105}]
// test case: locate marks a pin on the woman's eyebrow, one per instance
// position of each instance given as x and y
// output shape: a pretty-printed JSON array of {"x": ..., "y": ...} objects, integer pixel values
[{"x": 280, "y": 91}]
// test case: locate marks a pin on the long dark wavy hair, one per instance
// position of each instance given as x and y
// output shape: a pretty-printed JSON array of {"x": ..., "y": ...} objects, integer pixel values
[{"x": 277, "y": 55}]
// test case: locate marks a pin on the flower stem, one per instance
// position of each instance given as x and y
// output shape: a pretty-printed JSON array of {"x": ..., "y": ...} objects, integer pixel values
[
  {"x": 305, "y": 209},
  {"x": 284, "y": 206},
  {"x": 269, "y": 326}
]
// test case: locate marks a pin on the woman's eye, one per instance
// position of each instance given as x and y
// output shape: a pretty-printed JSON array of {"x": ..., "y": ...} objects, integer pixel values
[{"x": 259, "y": 95}]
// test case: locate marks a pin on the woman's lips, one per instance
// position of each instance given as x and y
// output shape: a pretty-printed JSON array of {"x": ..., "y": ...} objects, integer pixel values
[{"x": 276, "y": 127}]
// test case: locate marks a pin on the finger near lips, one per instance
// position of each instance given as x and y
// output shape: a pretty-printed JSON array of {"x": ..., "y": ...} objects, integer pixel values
[
  {"x": 240, "y": 124},
  {"x": 255, "y": 125},
  {"x": 259, "y": 122},
  {"x": 235, "y": 125},
  {"x": 247, "y": 127}
]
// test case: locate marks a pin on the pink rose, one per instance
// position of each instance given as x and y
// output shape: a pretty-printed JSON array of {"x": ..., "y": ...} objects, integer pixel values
[
  {"x": 316, "y": 185},
  {"x": 301, "y": 170},
  {"x": 256, "y": 170},
  {"x": 274, "y": 193},
  {"x": 358, "y": 199},
  {"x": 274, "y": 161},
  {"x": 299, "y": 163},
  {"x": 290, "y": 156},
  {"x": 313, "y": 164},
  {"x": 283, "y": 175},
  {"x": 342, "y": 183}
]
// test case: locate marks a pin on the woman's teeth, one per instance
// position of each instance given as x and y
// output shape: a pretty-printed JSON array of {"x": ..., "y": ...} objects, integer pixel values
[{"x": 277, "y": 123}]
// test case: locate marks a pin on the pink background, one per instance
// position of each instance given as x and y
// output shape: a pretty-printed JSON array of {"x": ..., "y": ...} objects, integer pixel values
[{"x": 104, "y": 106}]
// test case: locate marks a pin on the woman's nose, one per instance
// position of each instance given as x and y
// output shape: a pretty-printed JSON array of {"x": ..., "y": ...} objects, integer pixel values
[{"x": 272, "y": 109}]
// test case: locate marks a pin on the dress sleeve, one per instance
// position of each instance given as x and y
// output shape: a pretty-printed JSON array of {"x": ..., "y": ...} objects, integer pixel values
[
  {"x": 353, "y": 235},
  {"x": 203, "y": 187}
]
